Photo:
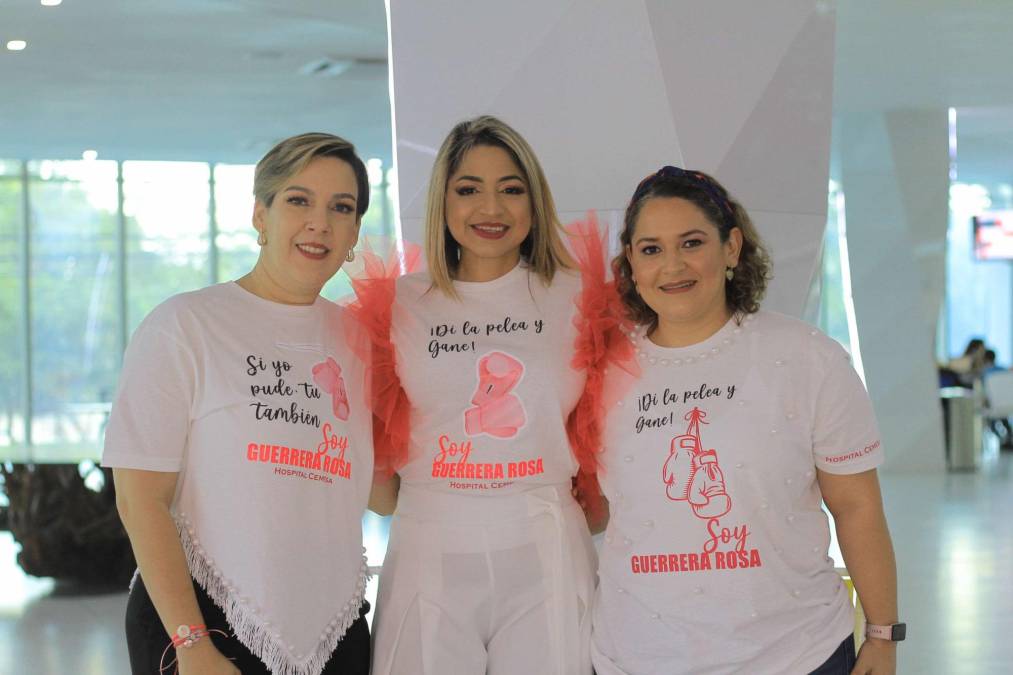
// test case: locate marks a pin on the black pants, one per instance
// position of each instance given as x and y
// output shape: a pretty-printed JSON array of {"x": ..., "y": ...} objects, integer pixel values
[
  {"x": 841, "y": 661},
  {"x": 147, "y": 639}
]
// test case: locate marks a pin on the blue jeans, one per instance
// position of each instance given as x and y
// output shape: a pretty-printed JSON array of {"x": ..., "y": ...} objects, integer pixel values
[{"x": 841, "y": 661}]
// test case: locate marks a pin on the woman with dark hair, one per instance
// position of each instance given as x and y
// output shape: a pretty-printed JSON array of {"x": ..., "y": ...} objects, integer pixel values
[
  {"x": 971, "y": 365},
  {"x": 718, "y": 459},
  {"x": 240, "y": 442}
]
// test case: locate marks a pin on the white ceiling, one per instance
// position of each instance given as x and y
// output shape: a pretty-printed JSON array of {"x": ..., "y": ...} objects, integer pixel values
[
  {"x": 219, "y": 80},
  {"x": 934, "y": 54},
  {"x": 211, "y": 80}
]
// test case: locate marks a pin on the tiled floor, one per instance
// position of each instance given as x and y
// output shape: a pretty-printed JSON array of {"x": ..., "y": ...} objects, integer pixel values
[
  {"x": 47, "y": 629},
  {"x": 953, "y": 534}
]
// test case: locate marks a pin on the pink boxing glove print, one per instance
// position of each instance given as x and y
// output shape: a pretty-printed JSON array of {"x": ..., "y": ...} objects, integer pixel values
[
  {"x": 692, "y": 474},
  {"x": 496, "y": 411},
  {"x": 327, "y": 375}
]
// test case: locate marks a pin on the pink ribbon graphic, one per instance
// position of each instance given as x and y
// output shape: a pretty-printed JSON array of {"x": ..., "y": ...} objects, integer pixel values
[{"x": 328, "y": 376}]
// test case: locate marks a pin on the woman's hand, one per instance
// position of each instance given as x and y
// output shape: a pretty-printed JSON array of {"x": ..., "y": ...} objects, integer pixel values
[
  {"x": 600, "y": 508},
  {"x": 876, "y": 657},
  {"x": 203, "y": 659},
  {"x": 383, "y": 495}
]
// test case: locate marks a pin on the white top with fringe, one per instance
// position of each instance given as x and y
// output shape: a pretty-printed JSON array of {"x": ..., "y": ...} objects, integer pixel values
[{"x": 260, "y": 408}]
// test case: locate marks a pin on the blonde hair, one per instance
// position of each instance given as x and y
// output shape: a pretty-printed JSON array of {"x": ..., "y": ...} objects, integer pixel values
[
  {"x": 542, "y": 250},
  {"x": 291, "y": 156}
]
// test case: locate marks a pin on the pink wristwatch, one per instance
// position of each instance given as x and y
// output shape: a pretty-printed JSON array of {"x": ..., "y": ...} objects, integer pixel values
[{"x": 894, "y": 632}]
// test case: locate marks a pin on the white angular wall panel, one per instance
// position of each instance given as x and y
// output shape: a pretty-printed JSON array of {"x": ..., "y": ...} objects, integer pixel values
[
  {"x": 596, "y": 89},
  {"x": 919, "y": 146},
  {"x": 449, "y": 62},
  {"x": 580, "y": 80},
  {"x": 795, "y": 252},
  {"x": 780, "y": 159},
  {"x": 609, "y": 90},
  {"x": 719, "y": 58},
  {"x": 879, "y": 171}
]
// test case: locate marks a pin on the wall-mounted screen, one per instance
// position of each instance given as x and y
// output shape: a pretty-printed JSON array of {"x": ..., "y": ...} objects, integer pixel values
[{"x": 993, "y": 235}]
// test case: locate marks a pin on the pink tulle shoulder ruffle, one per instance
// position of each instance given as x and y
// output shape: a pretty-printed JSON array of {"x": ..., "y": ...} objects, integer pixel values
[
  {"x": 374, "y": 281},
  {"x": 602, "y": 345}
]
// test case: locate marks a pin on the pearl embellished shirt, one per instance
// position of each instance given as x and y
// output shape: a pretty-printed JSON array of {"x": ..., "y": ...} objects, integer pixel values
[{"x": 715, "y": 558}]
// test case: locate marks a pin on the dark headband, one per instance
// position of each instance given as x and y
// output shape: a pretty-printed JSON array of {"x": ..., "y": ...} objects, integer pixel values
[{"x": 697, "y": 179}]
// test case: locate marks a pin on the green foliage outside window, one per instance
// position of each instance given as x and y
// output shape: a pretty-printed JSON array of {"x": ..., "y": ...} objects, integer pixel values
[{"x": 81, "y": 279}]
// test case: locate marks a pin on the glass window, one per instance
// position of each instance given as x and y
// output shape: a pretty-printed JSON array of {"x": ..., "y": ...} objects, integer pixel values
[
  {"x": 168, "y": 226},
  {"x": 833, "y": 318},
  {"x": 376, "y": 224},
  {"x": 75, "y": 321},
  {"x": 376, "y": 220},
  {"x": 338, "y": 288},
  {"x": 13, "y": 359},
  {"x": 836, "y": 305},
  {"x": 977, "y": 292},
  {"x": 10, "y": 168},
  {"x": 236, "y": 239},
  {"x": 100, "y": 259}
]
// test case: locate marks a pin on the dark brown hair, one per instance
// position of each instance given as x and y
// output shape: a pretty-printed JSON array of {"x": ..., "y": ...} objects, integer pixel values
[{"x": 744, "y": 292}]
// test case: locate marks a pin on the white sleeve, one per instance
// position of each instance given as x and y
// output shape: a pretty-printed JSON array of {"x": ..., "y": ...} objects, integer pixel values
[
  {"x": 150, "y": 420},
  {"x": 845, "y": 434}
]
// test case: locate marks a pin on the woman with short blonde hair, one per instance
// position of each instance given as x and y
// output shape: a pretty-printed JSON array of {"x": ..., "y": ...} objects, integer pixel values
[{"x": 241, "y": 446}]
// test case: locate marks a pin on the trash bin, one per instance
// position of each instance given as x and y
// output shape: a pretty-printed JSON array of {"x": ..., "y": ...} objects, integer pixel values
[{"x": 963, "y": 429}]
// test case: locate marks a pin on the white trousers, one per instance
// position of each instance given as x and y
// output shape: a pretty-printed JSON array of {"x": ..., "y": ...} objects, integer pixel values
[{"x": 485, "y": 586}]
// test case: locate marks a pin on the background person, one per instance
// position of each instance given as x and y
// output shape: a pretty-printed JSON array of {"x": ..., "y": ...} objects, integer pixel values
[
  {"x": 970, "y": 366},
  {"x": 1000, "y": 425}
]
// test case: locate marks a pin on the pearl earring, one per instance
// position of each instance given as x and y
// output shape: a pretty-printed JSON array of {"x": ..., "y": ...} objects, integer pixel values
[{"x": 730, "y": 273}]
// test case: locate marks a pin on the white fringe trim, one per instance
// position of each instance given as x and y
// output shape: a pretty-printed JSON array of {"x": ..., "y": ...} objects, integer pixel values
[{"x": 252, "y": 630}]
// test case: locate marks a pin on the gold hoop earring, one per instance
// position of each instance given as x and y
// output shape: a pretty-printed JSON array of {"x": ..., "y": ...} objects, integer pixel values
[
  {"x": 350, "y": 256},
  {"x": 261, "y": 238}
]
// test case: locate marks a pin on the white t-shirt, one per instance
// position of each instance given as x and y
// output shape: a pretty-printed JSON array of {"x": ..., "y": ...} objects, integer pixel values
[
  {"x": 260, "y": 408},
  {"x": 715, "y": 558},
  {"x": 490, "y": 381}
]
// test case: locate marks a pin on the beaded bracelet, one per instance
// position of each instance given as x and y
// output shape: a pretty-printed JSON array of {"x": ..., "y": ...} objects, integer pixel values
[{"x": 185, "y": 637}]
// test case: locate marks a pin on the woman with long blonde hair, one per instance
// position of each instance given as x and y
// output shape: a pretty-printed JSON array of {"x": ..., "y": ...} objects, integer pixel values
[{"x": 483, "y": 360}]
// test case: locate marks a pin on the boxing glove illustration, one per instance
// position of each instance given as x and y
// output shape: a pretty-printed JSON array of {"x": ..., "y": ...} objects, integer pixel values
[
  {"x": 692, "y": 474},
  {"x": 679, "y": 467},
  {"x": 707, "y": 493},
  {"x": 496, "y": 411},
  {"x": 327, "y": 375}
]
